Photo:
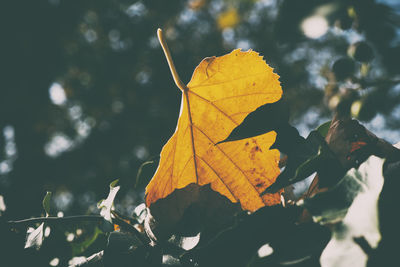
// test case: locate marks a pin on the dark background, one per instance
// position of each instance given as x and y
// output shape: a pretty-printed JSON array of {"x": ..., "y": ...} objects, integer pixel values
[{"x": 86, "y": 95}]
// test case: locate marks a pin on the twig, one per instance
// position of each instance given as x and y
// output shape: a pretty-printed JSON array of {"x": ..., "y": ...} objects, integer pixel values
[{"x": 50, "y": 220}]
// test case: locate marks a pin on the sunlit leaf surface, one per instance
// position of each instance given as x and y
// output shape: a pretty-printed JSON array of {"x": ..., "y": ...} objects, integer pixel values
[{"x": 221, "y": 93}]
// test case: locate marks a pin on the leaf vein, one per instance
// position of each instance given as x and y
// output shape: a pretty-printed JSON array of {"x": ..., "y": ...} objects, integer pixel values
[
  {"x": 232, "y": 162},
  {"x": 215, "y": 106},
  {"x": 235, "y": 96},
  {"x": 219, "y": 177}
]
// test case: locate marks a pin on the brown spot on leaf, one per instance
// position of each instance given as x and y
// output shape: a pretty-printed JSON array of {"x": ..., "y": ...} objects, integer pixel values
[
  {"x": 255, "y": 149},
  {"x": 259, "y": 184}
]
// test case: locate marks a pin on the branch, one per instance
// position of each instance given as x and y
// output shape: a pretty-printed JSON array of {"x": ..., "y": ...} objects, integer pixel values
[{"x": 51, "y": 220}]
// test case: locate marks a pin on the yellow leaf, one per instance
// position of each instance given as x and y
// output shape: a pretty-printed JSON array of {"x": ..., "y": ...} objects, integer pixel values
[
  {"x": 228, "y": 19},
  {"x": 222, "y": 92}
]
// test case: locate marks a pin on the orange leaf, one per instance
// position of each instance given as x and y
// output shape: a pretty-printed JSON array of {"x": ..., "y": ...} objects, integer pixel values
[{"x": 222, "y": 92}]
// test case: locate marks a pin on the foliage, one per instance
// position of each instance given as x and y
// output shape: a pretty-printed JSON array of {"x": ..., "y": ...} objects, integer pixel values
[{"x": 84, "y": 99}]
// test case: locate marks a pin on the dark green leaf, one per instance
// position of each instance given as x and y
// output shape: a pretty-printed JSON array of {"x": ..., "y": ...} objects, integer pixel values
[{"x": 304, "y": 155}]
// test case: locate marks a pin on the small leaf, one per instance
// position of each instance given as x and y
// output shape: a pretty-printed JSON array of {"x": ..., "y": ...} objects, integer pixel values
[
  {"x": 35, "y": 237},
  {"x": 106, "y": 205},
  {"x": 46, "y": 203}
]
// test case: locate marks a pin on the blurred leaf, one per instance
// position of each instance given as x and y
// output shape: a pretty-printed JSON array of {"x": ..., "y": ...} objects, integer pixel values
[
  {"x": 106, "y": 205},
  {"x": 343, "y": 68},
  {"x": 228, "y": 19},
  {"x": 197, "y": 4},
  {"x": 361, "y": 51}
]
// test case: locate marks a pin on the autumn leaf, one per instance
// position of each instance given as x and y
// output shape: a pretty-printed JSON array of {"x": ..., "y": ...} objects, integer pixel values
[{"x": 222, "y": 92}]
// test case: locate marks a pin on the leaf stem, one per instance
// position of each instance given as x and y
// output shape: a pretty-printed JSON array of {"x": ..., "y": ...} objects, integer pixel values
[{"x": 171, "y": 65}]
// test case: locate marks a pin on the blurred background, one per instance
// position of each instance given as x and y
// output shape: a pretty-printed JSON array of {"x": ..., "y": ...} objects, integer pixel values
[{"x": 86, "y": 95}]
